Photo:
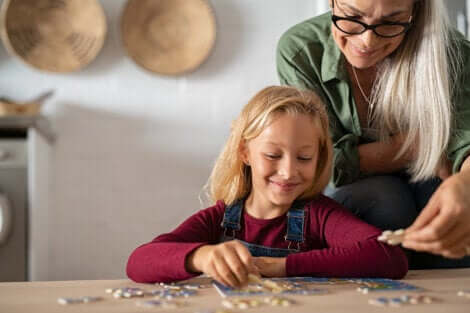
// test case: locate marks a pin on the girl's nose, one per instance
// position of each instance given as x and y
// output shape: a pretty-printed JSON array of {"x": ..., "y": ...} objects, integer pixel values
[{"x": 287, "y": 168}]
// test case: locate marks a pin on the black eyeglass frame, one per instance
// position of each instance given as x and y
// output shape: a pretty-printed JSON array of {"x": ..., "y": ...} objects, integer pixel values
[{"x": 406, "y": 26}]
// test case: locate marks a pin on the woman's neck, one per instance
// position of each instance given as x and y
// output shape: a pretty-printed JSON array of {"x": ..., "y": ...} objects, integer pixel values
[{"x": 366, "y": 76}]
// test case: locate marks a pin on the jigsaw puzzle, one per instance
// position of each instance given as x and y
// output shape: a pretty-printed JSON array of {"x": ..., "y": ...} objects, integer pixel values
[{"x": 309, "y": 286}]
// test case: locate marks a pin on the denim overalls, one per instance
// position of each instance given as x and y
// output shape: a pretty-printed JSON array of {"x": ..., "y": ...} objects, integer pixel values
[{"x": 295, "y": 230}]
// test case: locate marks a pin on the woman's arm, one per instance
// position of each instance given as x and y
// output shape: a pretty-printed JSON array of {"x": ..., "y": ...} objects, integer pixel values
[
  {"x": 381, "y": 157},
  {"x": 443, "y": 227}
]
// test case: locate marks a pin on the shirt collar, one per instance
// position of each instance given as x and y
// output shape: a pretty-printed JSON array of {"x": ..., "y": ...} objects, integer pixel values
[{"x": 332, "y": 61}]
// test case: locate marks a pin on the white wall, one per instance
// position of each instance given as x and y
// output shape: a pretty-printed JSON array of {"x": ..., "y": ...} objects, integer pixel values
[{"x": 134, "y": 149}]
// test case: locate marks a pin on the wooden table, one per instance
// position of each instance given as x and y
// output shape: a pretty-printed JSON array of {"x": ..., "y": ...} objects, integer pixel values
[{"x": 41, "y": 297}]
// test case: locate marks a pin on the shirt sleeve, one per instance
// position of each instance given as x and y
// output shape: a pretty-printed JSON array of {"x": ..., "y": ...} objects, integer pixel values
[
  {"x": 351, "y": 249},
  {"x": 296, "y": 69},
  {"x": 459, "y": 146},
  {"x": 163, "y": 259}
]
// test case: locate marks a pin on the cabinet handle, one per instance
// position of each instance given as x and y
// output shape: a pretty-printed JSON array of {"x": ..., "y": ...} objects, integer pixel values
[{"x": 5, "y": 219}]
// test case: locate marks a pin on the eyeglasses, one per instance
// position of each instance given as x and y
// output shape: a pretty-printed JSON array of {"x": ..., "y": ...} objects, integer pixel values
[{"x": 352, "y": 26}]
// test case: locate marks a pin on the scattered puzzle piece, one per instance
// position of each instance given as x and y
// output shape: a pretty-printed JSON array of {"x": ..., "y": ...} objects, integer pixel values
[
  {"x": 125, "y": 292},
  {"x": 402, "y": 300},
  {"x": 86, "y": 299},
  {"x": 240, "y": 303},
  {"x": 172, "y": 293},
  {"x": 464, "y": 293},
  {"x": 278, "y": 301},
  {"x": 160, "y": 303}
]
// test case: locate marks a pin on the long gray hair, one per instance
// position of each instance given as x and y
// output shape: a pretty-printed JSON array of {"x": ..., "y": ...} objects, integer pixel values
[{"x": 413, "y": 90}]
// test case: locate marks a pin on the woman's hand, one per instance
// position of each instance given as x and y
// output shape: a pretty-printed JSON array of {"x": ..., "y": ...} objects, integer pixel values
[
  {"x": 271, "y": 267},
  {"x": 444, "y": 171},
  {"x": 228, "y": 262},
  {"x": 443, "y": 227}
]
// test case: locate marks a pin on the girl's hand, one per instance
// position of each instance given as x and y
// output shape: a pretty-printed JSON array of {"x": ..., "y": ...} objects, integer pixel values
[
  {"x": 228, "y": 262},
  {"x": 271, "y": 267},
  {"x": 443, "y": 227}
]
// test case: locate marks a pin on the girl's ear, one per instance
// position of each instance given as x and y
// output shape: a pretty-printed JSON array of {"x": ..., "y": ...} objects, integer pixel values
[{"x": 243, "y": 152}]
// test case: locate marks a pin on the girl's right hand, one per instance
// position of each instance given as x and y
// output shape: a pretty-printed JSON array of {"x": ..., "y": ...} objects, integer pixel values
[{"x": 228, "y": 262}]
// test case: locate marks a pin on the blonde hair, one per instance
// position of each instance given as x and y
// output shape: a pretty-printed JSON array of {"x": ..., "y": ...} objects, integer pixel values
[
  {"x": 414, "y": 88},
  {"x": 230, "y": 179}
]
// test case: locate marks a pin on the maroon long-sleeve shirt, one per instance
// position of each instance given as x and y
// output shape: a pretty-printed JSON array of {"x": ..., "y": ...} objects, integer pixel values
[{"x": 337, "y": 244}]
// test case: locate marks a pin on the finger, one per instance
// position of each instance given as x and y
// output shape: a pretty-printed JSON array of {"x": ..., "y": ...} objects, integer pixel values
[
  {"x": 427, "y": 214},
  {"x": 454, "y": 254},
  {"x": 224, "y": 271},
  {"x": 454, "y": 240},
  {"x": 436, "y": 229},
  {"x": 457, "y": 238},
  {"x": 247, "y": 259},
  {"x": 456, "y": 247},
  {"x": 237, "y": 267},
  {"x": 220, "y": 279}
]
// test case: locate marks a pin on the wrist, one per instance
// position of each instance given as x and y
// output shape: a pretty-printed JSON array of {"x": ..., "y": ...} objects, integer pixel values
[
  {"x": 271, "y": 266},
  {"x": 282, "y": 267},
  {"x": 194, "y": 262}
]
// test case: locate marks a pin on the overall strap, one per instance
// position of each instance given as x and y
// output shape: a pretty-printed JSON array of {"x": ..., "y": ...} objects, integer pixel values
[
  {"x": 232, "y": 218},
  {"x": 295, "y": 224}
]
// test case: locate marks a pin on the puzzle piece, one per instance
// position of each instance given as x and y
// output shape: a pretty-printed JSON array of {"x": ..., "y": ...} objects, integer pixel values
[
  {"x": 242, "y": 304},
  {"x": 278, "y": 301},
  {"x": 125, "y": 292},
  {"x": 172, "y": 293},
  {"x": 393, "y": 238},
  {"x": 86, "y": 299},
  {"x": 161, "y": 303},
  {"x": 181, "y": 286},
  {"x": 382, "y": 284},
  {"x": 267, "y": 284},
  {"x": 402, "y": 300},
  {"x": 268, "y": 287},
  {"x": 464, "y": 293}
]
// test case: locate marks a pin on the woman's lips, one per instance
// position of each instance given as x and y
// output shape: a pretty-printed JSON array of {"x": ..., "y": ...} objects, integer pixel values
[{"x": 363, "y": 52}]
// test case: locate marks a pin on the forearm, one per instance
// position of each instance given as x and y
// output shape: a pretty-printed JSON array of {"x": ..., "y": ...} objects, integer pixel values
[
  {"x": 380, "y": 157},
  {"x": 160, "y": 262},
  {"x": 363, "y": 259}
]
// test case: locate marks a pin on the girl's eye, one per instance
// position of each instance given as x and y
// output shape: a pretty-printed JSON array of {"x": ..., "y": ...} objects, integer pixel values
[
  {"x": 272, "y": 156},
  {"x": 304, "y": 158}
]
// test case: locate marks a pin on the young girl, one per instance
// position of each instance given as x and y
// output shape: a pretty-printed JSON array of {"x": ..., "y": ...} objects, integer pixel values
[{"x": 270, "y": 217}]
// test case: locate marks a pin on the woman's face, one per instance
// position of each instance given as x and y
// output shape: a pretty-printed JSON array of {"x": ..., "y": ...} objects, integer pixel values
[{"x": 367, "y": 49}]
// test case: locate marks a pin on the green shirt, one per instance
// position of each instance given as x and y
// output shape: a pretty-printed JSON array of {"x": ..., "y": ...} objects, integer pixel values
[{"x": 308, "y": 57}]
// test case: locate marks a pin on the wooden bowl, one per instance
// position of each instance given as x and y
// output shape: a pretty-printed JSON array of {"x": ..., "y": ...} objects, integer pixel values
[
  {"x": 168, "y": 37},
  {"x": 53, "y": 35}
]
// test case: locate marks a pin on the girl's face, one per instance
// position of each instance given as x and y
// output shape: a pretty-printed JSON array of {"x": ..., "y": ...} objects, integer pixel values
[
  {"x": 283, "y": 160},
  {"x": 367, "y": 49}
]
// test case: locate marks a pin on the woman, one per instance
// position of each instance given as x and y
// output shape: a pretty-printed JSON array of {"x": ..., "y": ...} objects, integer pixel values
[{"x": 396, "y": 81}]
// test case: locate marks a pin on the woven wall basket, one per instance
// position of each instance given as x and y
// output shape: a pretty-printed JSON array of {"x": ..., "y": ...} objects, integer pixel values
[
  {"x": 53, "y": 35},
  {"x": 168, "y": 37}
]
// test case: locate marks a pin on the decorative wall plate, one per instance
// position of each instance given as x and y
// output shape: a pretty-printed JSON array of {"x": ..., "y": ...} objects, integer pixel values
[
  {"x": 53, "y": 35},
  {"x": 168, "y": 37}
]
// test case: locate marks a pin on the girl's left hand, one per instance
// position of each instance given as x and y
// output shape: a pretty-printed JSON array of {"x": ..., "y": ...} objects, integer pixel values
[
  {"x": 443, "y": 227},
  {"x": 271, "y": 267}
]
